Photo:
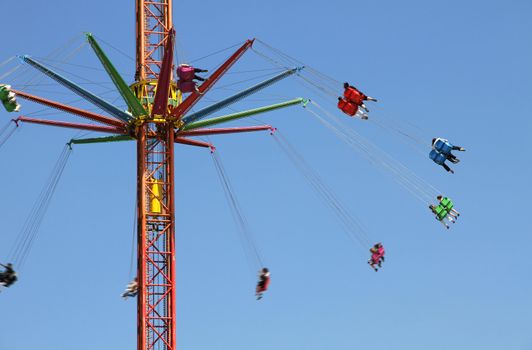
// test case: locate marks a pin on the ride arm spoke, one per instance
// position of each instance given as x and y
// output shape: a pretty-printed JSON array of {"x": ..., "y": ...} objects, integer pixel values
[
  {"x": 218, "y": 131},
  {"x": 79, "y": 126},
  {"x": 160, "y": 103},
  {"x": 195, "y": 96},
  {"x": 69, "y": 109},
  {"x": 244, "y": 114},
  {"x": 191, "y": 142},
  {"x": 133, "y": 103}
]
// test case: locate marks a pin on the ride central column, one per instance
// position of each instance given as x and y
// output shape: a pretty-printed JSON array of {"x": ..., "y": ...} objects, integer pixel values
[
  {"x": 156, "y": 244},
  {"x": 155, "y": 188}
]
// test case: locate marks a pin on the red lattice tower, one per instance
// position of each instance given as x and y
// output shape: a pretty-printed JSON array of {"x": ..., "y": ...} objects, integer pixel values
[
  {"x": 155, "y": 155},
  {"x": 157, "y": 118}
]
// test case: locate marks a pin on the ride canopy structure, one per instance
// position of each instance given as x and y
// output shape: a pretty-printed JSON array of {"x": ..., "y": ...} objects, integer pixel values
[{"x": 285, "y": 114}]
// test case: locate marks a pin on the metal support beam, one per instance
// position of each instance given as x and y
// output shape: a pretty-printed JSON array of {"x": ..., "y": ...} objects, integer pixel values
[
  {"x": 237, "y": 97},
  {"x": 190, "y": 142},
  {"x": 160, "y": 103},
  {"x": 104, "y": 139},
  {"x": 69, "y": 109},
  {"x": 79, "y": 126},
  {"x": 89, "y": 96},
  {"x": 244, "y": 114},
  {"x": 156, "y": 257},
  {"x": 219, "y": 131},
  {"x": 156, "y": 327},
  {"x": 133, "y": 103}
]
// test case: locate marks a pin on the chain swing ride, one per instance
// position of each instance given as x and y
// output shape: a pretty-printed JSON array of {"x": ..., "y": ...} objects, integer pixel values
[{"x": 159, "y": 115}]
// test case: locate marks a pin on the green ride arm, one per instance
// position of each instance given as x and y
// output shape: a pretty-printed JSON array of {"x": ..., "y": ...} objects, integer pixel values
[
  {"x": 101, "y": 139},
  {"x": 244, "y": 114},
  {"x": 133, "y": 103}
]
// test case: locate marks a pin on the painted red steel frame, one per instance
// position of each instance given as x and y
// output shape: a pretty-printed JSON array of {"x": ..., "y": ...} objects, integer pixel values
[
  {"x": 195, "y": 96},
  {"x": 190, "y": 142},
  {"x": 99, "y": 128},
  {"x": 141, "y": 241},
  {"x": 160, "y": 103},
  {"x": 156, "y": 312},
  {"x": 69, "y": 109},
  {"x": 216, "y": 131},
  {"x": 153, "y": 21},
  {"x": 171, "y": 245},
  {"x": 156, "y": 251},
  {"x": 155, "y": 148}
]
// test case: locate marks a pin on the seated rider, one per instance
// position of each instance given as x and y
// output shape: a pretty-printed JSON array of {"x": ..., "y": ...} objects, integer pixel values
[
  {"x": 187, "y": 75},
  {"x": 352, "y": 94},
  {"x": 350, "y": 108},
  {"x": 377, "y": 256},
  {"x": 445, "y": 147},
  {"x": 8, "y": 276},
  {"x": 442, "y": 214},
  {"x": 440, "y": 158},
  {"x": 132, "y": 289},
  {"x": 448, "y": 205},
  {"x": 264, "y": 282},
  {"x": 8, "y": 98}
]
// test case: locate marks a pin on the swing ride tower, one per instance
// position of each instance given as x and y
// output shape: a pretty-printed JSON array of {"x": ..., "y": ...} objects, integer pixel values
[
  {"x": 156, "y": 311},
  {"x": 155, "y": 137},
  {"x": 157, "y": 118}
]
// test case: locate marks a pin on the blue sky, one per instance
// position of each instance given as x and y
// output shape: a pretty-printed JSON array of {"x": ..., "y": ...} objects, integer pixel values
[{"x": 458, "y": 69}]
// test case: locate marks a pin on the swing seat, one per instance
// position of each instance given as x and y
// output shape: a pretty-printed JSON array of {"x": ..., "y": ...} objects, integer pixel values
[
  {"x": 185, "y": 73},
  {"x": 447, "y": 203},
  {"x": 443, "y": 147},
  {"x": 354, "y": 96},
  {"x": 4, "y": 92},
  {"x": 347, "y": 107},
  {"x": 437, "y": 157},
  {"x": 186, "y": 86},
  {"x": 440, "y": 212}
]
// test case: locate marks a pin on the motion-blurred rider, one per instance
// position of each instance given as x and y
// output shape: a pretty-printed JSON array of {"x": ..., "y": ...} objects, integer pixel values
[
  {"x": 132, "y": 289},
  {"x": 264, "y": 282},
  {"x": 8, "y": 276},
  {"x": 377, "y": 256}
]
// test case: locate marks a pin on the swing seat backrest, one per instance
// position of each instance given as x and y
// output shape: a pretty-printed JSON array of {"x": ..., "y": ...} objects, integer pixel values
[
  {"x": 440, "y": 212},
  {"x": 347, "y": 107},
  {"x": 185, "y": 73},
  {"x": 437, "y": 157},
  {"x": 4, "y": 92},
  {"x": 354, "y": 96},
  {"x": 10, "y": 106},
  {"x": 443, "y": 147},
  {"x": 447, "y": 203},
  {"x": 186, "y": 86}
]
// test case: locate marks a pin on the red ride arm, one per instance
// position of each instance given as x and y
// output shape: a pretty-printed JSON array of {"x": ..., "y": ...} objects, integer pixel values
[
  {"x": 69, "y": 109},
  {"x": 191, "y": 142},
  {"x": 195, "y": 96},
  {"x": 160, "y": 104},
  {"x": 100, "y": 128},
  {"x": 216, "y": 131}
]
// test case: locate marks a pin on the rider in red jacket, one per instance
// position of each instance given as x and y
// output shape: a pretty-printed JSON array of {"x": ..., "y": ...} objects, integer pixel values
[
  {"x": 352, "y": 94},
  {"x": 350, "y": 108},
  {"x": 264, "y": 282}
]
